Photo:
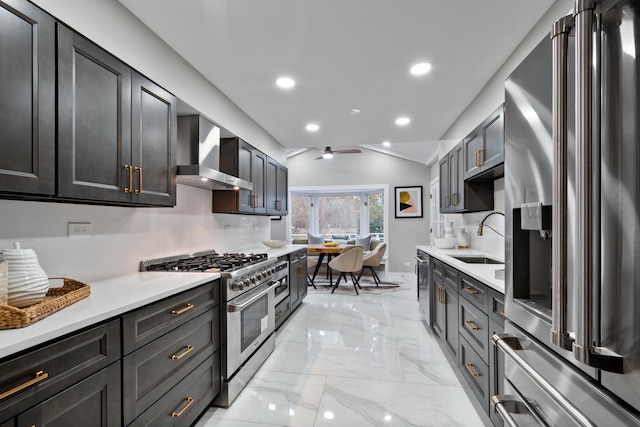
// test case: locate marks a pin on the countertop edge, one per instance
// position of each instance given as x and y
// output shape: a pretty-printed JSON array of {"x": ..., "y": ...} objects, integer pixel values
[
  {"x": 108, "y": 299},
  {"x": 482, "y": 272}
]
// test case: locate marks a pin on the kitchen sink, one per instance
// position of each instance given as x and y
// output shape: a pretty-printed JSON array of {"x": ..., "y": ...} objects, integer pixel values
[{"x": 477, "y": 260}]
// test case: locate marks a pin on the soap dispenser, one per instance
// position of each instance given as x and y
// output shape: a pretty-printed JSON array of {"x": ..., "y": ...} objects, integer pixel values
[{"x": 463, "y": 239}]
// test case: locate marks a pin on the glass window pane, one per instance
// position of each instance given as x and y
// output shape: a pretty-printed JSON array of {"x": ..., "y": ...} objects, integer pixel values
[
  {"x": 339, "y": 216},
  {"x": 376, "y": 215},
  {"x": 299, "y": 216}
]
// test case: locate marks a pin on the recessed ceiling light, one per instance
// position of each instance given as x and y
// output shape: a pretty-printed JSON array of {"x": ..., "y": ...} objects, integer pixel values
[
  {"x": 354, "y": 111},
  {"x": 286, "y": 82},
  {"x": 420, "y": 69},
  {"x": 312, "y": 127},
  {"x": 401, "y": 121},
  {"x": 386, "y": 143}
]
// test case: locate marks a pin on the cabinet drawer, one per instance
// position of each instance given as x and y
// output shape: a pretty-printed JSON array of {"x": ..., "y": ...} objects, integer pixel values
[
  {"x": 474, "y": 291},
  {"x": 475, "y": 371},
  {"x": 94, "y": 401},
  {"x": 187, "y": 400},
  {"x": 474, "y": 326},
  {"x": 446, "y": 272},
  {"x": 148, "y": 323},
  {"x": 496, "y": 307},
  {"x": 155, "y": 368},
  {"x": 283, "y": 309},
  {"x": 55, "y": 367}
]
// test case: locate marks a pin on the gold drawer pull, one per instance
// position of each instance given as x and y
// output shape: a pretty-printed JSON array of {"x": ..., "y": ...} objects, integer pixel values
[
  {"x": 473, "y": 373},
  {"x": 190, "y": 401},
  {"x": 129, "y": 188},
  {"x": 183, "y": 354},
  {"x": 139, "y": 190},
  {"x": 471, "y": 290},
  {"x": 471, "y": 325},
  {"x": 502, "y": 312},
  {"x": 40, "y": 375},
  {"x": 182, "y": 310}
]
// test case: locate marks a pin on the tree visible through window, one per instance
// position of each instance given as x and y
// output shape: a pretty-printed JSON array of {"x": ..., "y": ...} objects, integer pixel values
[{"x": 337, "y": 215}]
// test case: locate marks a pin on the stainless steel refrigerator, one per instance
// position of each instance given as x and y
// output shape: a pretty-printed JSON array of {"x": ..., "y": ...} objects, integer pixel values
[{"x": 572, "y": 197}]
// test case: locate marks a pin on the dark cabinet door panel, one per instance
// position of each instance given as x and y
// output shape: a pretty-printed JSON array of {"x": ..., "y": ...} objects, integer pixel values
[
  {"x": 154, "y": 143},
  {"x": 94, "y": 121},
  {"x": 94, "y": 401},
  {"x": 27, "y": 99}
]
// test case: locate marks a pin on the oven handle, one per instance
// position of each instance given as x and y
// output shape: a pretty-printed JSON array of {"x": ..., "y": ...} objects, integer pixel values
[
  {"x": 509, "y": 344},
  {"x": 239, "y": 307}
]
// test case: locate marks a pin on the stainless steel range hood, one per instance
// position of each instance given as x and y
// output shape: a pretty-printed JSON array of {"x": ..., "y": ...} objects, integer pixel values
[{"x": 199, "y": 156}]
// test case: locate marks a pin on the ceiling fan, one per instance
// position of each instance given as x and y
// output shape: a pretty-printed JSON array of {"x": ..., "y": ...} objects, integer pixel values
[{"x": 328, "y": 153}]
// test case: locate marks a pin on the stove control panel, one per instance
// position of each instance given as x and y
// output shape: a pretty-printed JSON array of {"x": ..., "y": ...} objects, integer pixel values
[{"x": 252, "y": 279}]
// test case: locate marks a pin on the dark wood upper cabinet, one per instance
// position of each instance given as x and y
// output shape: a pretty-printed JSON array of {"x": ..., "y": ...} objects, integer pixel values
[
  {"x": 94, "y": 121},
  {"x": 241, "y": 159},
  {"x": 484, "y": 148},
  {"x": 276, "y": 192},
  {"x": 153, "y": 142},
  {"x": 27, "y": 99},
  {"x": 116, "y": 129}
]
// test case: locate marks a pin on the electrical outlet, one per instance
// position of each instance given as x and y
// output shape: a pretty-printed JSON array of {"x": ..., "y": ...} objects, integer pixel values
[
  {"x": 407, "y": 264},
  {"x": 79, "y": 229}
]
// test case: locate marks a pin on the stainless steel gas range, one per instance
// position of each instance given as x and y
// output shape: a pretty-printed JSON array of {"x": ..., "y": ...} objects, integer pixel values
[{"x": 251, "y": 286}]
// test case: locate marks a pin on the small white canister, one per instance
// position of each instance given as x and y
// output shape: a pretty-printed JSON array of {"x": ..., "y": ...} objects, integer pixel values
[
  {"x": 463, "y": 239},
  {"x": 27, "y": 283}
]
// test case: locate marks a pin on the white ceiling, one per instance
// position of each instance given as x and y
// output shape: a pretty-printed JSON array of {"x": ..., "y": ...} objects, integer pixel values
[{"x": 346, "y": 54}]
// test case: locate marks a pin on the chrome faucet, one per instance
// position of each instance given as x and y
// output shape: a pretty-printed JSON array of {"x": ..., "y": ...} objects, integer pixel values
[{"x": 482, "y": 224}]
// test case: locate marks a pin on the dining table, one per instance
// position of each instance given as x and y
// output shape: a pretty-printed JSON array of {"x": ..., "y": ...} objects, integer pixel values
[{"x": 324, "y": 251}]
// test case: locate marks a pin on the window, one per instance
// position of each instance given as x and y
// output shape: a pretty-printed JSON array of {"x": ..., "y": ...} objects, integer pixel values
[{"x": 338, "y": 213}]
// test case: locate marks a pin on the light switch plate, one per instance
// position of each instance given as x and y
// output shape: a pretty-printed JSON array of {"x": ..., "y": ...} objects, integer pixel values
[{"x": 79, "y": 229}]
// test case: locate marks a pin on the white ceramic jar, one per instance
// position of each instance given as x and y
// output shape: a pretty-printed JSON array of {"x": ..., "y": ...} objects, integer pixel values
[{"x": 27, "y": 283}]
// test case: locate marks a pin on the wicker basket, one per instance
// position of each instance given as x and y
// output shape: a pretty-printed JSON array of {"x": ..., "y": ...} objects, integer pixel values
[{"x": 56, "y": 299}]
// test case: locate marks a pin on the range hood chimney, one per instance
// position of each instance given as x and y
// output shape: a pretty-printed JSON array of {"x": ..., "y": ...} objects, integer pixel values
[{"x": 199, "y": 156}]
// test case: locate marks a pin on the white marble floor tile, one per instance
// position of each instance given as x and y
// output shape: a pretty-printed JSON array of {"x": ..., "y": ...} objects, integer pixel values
[
  {"x": 346, "y": 360},
  {"x": 358, "y": 402}
]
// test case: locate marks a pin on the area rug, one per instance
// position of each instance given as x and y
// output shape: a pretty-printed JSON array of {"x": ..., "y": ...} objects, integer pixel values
[{"x": 368, "y": 287}]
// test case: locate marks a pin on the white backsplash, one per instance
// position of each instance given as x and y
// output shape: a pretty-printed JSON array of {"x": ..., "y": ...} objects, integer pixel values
[
  {"x": 122, "y": 237},
  {"x": 490, "y": 242}
]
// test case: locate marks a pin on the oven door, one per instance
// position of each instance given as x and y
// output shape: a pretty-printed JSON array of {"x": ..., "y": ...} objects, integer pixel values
[{"x": 250, "y": 321}]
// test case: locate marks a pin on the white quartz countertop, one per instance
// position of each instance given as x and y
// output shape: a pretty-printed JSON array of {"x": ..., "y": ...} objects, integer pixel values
[
  {"x": 482, "y": 272},
  {"x": 109, "y": 298},
  {"x": 275, "y": 252}
]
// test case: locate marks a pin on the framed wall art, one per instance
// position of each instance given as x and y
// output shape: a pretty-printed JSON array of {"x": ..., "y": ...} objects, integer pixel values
[{"x": 409, "y": 202}]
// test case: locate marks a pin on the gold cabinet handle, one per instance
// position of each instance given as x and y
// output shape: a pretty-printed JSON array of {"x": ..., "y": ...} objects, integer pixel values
[
  {"x": 129, "y": 169},
  {"x": 476, "y": 153},
  {"x": 471, "y": 291},
  {"x": 190, "y": 401},
  {"x": 473, "y": 373},
  {"x": 40, "y": 375},
  {"x": 139, "y": 189},
  {"x": 480, "y": 157},
  {"x": 503, "y": 313},
  {"x": 454, "y": 196},
  {"x": 255, "y": 201},
  {"x": 183, "y": 354},
  {"x": 471, "y": 325},
  {"x": 182, "y": 310},
  {"x": 278, "y": 205}
]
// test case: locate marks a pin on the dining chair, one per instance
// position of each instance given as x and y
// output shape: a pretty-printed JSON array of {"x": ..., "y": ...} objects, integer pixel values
[
  {"x": 373, "y": 259},
  {"x": 349, "y": 261}
]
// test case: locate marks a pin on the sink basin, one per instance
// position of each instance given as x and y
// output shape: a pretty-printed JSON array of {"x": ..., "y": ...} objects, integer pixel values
[{"x": 477, "y": 260}]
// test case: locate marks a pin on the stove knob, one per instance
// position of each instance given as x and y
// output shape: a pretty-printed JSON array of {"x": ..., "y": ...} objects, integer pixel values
[
  {"x": 253, "y": 279},
  {"x": 238, "y": 286},
  {"x": 273, "y": 270}
]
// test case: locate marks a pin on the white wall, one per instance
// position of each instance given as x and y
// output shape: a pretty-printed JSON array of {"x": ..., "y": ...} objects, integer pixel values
[
  {"x": 122, "y": 237},
  {"x": 371, "y": 168}
]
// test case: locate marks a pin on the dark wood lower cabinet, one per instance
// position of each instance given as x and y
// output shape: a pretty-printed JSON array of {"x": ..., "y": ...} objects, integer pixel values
[
  {"x": 465, "y": 314},
  {"x": 94, "y": 401}
]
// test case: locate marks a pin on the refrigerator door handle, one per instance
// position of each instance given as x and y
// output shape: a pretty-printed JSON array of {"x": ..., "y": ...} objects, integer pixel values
[
  {"x": 510, "y": 345},
  {"x": 560, "y": 41},
  {"x": 583, "y": 347}
]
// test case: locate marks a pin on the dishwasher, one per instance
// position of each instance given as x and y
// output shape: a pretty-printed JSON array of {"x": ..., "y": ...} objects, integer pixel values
[{"x": 424, "y": 278}]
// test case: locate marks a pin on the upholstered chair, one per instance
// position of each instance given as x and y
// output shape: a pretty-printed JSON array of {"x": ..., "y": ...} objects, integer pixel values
[
  {"x": 349, "y": 261},
  {"x": 373, "y": 259}
]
